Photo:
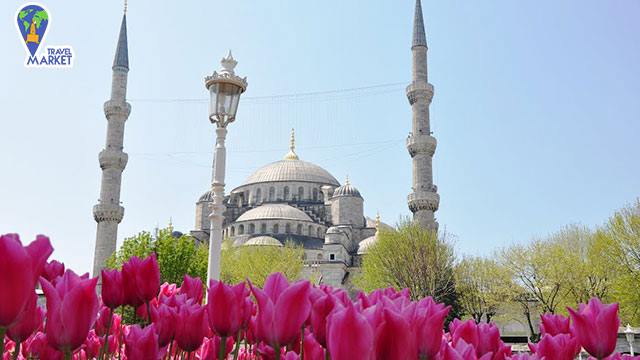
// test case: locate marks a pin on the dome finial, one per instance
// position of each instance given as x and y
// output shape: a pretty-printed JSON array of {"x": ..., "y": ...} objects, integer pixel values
[
  {"x": 347, "y": 181},
  {"x": 378, "y": 221},
  {"x": 291, "y": 155},
  {"x": 126, "y": 6}
]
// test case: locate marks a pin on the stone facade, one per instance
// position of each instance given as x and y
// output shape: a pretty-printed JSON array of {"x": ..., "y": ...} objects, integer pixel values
[{"x": 108, "y": 213}]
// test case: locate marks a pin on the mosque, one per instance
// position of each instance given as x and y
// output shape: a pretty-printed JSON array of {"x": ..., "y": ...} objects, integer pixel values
[{"x": 289, "y": 199}]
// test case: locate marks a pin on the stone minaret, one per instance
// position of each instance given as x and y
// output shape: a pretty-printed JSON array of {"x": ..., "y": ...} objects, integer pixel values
[
  {"x": 424, "y": 199},
  {"x": 108, "y": 212}
]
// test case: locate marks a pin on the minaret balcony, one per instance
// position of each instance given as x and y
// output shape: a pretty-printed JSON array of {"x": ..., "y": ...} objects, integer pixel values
[
  {"x": 108, "y": 212},
  {"x": 417, "y": 90},
  {"x": 117, "y": 109},
  {"x": 423, "y": 200},
  {"x": 112, "y": 159},
  {"x": 421, "y": 144}
]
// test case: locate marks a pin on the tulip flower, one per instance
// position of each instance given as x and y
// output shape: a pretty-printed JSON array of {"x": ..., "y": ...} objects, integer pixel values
[
  {"x": 227, "y": 308},
  {"x": 192, "y": 287},
  {"x": 112, "y": 288},
  {"x": 349, "y": 335},
  {"x": 596, "y": 326},
  {"x": 556, "y": 347},
  {"x": 554, "y": 324},
  {"x": 30, "y": 320},
  {"x": 191, "y": 327},
  {"x": 165, "y": 319},
  {"x": 320, "y": 311},
  {"x": 210, "y": 349},
  {"x": 20, "y": 268},
  {"x": 92, "y": 345},
  {"x": 141, "y": 280},
  {"x": 429, "y": 323},
  {"x": 388, "y": 345},
  {"x": 52, "y": 270},
  {"x": 283, "y": 308},
  {"x": 142, "y": 344},
  {"x": 312, "y": 348},
  {"x": 72, "y": 308}
]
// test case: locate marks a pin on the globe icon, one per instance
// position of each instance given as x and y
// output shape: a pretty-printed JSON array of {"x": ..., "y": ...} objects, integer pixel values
[{"x": 32, "y": 23}]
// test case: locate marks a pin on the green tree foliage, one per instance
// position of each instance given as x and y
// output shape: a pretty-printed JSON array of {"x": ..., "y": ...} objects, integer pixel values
[
  {"x": 482, "y": 285},
  {"x": 177, "y": 256},
  {"x": 414, "y": 258},
  {"x": 257, "y": 262},
  {"x": 619, "y": 247}
]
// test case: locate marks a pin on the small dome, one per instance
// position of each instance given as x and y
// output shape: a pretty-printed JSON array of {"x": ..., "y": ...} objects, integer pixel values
[
  {"x": 274, "y": 211},
  {"x": 365, "y": 244},
  {"x": 206, "y": 197},
  {"x": 347, "y": 190},
  {"x": 263, "y": 241}
]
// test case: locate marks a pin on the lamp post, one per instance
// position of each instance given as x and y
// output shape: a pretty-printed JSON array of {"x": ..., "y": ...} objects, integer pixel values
[
  {"x": 225, "y": 88},
  {"x": 630, "y": 334}
]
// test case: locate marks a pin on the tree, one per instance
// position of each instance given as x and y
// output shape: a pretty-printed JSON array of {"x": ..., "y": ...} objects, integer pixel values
[
  {"x": 177, "y": 256},
  {"x": 257, "y": 262},
  {"x": 414, "y": 258},
  {"x": 482, "y": 285},
  {"x": 619, "y": 246}
]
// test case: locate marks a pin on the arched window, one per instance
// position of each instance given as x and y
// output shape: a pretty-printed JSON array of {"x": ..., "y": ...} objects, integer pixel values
[
  {"x": 315, "y": 194},
  {"x": 310, "y": 230},
  {"x": 252, "y": 228},
  {"x": 263, "y": 228},
  {"x": 299, "y": 229},
  {"x": 272, "y": 193},
  {"x": 233, "y": 231},
  {"x": 259, "y": 196},
  {"x": 276, "y": 228},
  {"x": 300, "y": 193},
  {"x": 319, "y": 256},
  {"x": 286, "y": 193},
  {"x": 319, "y": 232},
  {"x": 287, "y": 228},
  {"x": 241, "y": 230}
]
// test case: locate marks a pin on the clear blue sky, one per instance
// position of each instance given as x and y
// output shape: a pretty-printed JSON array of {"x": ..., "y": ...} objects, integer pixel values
[{"x": 536, "y": 111}]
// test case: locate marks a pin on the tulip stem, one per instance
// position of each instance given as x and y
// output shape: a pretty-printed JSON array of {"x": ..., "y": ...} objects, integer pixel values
[
  {"x": 236, "y": 350},
  {"x": 103, "y": 351},
  {"x": 67, "y": 355},
  {"x": 2, "y": 332},
  {"x": 277, "y": 349},
  {"x": 302, "y": 343},
  {"x": 17, "y": 351},
  {"x": 326, "y": 355},
  {"x": 148, "y": 314},
  {"x": 223, "y": 348}
]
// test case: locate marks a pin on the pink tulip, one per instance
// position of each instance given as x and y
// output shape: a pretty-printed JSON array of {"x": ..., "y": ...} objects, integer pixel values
[
  {"x": 38, "y": 346},
  {"x": 349, "y": 335},
  {"x": 283, "y": 308},
  {"x": 192, "y": 287},
  {"x": 554, "y": 324},
  {"x": 141, "y": 280},
  {"x": 484, "y": 337},
  {"x": 558, "y": 347},
  {"x": 52, "y": 270},
  {"x": 72, "y": 307},
  {"x": 312, "y": 348},
  {"x": 596, "y": 327},
  {"x": 388, "y": 345},
  {"x": 142, "y": 344},
  {"x": 92, "y": 345},
  {"x": 227, "y": 308},
  {"x": 165, "y": 319},
  {"x": 461, "y": 351},
  {"x": 320, "y": 312},
  {"x": 30, "y": 320},
  {"x": 429, "y": 323},
  {"x": 20, "y": 268},
  {"x": 112, "y": 288},
  {"x": 102, "y": 322},
  {"x": 191, "y": 327},
  {"x": 211, "y": 348}
]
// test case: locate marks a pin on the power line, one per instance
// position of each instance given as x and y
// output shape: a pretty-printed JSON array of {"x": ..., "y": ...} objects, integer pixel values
[{"x": 291, "y": 96}]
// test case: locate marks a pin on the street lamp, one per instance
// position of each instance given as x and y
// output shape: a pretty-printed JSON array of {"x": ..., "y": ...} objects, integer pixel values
[
  {"x": 630, "y": 334},
  {"x": 225, "y": 88}
]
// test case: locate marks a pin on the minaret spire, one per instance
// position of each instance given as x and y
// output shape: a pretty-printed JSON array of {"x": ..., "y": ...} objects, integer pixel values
[
  {"x": 424, "y": 199},
  {"x": 108, "y": 212}
]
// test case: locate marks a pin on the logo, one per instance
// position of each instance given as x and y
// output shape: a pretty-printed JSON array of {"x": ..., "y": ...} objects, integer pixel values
[{"x": 33, "y": 20}]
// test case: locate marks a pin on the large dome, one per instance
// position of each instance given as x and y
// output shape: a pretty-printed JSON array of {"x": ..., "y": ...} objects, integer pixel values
[
  {"x": 292, "y": 170},
  {"x": 274, "y": 211}
]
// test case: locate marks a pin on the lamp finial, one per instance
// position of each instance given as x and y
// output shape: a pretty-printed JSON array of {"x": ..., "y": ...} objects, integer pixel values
[{"x": 291, "y": 155}]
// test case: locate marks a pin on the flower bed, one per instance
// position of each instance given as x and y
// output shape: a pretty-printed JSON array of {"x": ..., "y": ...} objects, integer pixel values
[{"x": 280, "y": 321}]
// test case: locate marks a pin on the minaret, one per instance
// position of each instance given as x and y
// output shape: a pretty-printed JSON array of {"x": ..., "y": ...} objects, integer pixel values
[
  {"x": 424, "y": 199},
  {"x": 108, "y": 212}
]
